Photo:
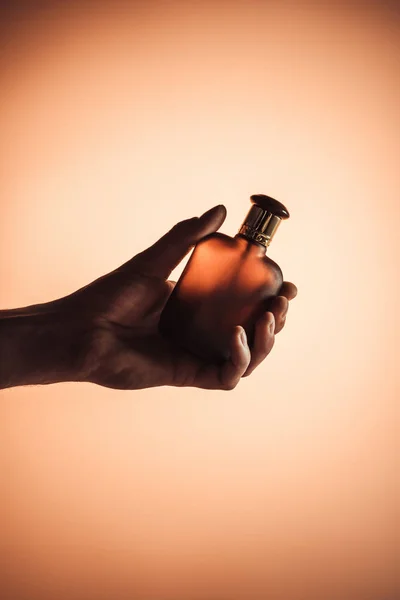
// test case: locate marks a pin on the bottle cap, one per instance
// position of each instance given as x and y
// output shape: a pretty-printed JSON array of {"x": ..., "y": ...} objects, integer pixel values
[{"x": 263, "y": 219}]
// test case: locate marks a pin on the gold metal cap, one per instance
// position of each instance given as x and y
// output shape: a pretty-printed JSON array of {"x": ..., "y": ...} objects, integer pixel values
[{"x": 263, "y": 219}]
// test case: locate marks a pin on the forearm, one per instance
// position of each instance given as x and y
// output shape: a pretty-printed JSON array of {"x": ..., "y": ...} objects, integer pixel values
[{"x": 40, "y": 344}]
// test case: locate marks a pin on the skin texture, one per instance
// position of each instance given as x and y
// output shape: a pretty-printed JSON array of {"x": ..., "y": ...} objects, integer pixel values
[{"x": 107, "y": 332}]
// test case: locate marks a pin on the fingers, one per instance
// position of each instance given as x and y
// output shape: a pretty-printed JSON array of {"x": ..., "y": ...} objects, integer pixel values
[
  {"x": 288, "y": 289},
  {"x": 243, "y": 362},
  {"x": 163, "y": 256},
  {"x": 227, "y": 376},
  {"x": 264, "y": 339},
  {"x": 270, "y": 323},
  {"x": 279, "y": 307},
  {"x": 233, "y": 370}
]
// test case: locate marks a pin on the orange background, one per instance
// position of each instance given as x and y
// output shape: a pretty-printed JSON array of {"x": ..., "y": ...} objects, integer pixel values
[{"x": 117, "y": 120}]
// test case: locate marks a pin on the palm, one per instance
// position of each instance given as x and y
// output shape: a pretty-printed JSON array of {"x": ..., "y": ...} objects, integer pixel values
[{"x": 126, "y": 347}]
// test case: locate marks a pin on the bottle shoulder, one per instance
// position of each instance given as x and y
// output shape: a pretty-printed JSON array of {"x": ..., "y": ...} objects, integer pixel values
[
  {"x": 222, "y": 244},
  {"x": 271, "y": 264},
  {"x": 236, "y": 253},
  {"x": 217, "y": 239}
]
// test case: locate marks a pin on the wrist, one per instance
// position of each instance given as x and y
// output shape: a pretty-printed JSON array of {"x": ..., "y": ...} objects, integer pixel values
[{"x": 42, "y": 344}]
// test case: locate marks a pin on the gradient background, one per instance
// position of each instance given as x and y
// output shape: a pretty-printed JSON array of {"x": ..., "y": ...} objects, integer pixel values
[{"x": 117, "y": 120}]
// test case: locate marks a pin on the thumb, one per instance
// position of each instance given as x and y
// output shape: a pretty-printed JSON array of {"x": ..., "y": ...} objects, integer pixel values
[{"x": 163, "y": 256}]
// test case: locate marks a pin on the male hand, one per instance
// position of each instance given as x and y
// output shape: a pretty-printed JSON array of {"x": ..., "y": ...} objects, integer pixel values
[{"x": 125, "y": 350}]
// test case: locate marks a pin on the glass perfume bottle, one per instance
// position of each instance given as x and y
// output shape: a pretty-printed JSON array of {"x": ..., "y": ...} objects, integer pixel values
[{"x": 226, "y": 282}]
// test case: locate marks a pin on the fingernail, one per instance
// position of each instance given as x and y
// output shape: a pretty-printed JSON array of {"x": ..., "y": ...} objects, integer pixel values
[
  {"x": 243, "y": 337},
  {"x": 271, "y": 324}
]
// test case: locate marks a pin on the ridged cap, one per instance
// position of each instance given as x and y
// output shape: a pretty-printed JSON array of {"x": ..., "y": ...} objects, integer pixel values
[{"x": 263, "y": 219}]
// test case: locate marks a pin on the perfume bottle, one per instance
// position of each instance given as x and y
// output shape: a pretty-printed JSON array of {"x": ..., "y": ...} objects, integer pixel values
[{"x": 226, "y": 282}]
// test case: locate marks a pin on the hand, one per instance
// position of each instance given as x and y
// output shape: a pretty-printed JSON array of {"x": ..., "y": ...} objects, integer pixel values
[{"x": 125, "y": 349}]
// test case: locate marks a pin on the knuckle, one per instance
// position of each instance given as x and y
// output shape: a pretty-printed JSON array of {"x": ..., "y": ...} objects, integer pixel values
[
  {"x": 280, "y": 326},
  {"x": 183, "y": 375},
  {"x": 271, "y": 345},
  {"x": 228, "y": 387}
]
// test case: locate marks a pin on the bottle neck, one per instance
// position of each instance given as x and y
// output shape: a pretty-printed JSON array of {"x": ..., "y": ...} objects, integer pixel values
[
  {"x": 259, "y": 226},
  {"x": 250, "y": 246}
]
